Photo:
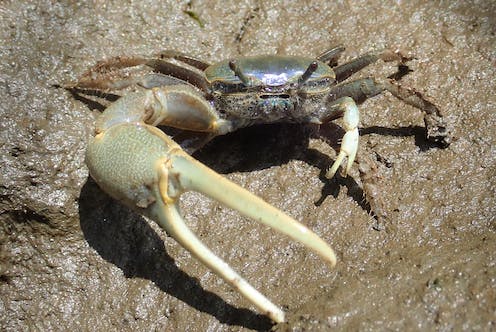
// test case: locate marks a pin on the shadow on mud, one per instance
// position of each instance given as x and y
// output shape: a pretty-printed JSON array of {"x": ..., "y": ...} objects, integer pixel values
[{"x": 260, "y": 147}]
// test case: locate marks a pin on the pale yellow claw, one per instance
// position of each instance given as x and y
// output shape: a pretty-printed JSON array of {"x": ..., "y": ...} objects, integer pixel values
[
  {"x": 145, "y": 169},
  {"x": 195, "y": 176}
]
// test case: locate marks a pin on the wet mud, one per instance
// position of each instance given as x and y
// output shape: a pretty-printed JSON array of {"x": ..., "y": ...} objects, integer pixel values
[{"x": 71, "y": 258}]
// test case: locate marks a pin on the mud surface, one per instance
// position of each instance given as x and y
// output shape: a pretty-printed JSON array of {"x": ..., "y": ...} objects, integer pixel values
[{"x": 71, "y": 258}]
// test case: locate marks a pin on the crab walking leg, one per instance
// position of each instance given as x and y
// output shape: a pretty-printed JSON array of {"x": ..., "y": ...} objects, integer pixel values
[
  {"x": 331, "y": 55},
  {"x": 183, "y": 57},
  {"x": 347, "y": 69},
  {"x": 170, "y": 219},
  {"x": 438, "y": 130},
  {"x": 349, "y": 145},
  {"x": 105, "y": 75}
]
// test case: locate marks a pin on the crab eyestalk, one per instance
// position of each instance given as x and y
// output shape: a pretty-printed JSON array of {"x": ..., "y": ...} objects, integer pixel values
[
  {"x": 312, "y": 67},
  {"x": 245, "y": 79}
]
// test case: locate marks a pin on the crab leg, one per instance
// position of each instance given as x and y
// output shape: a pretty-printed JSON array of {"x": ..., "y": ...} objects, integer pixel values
[
  {"x": 347, "y": 69},
  {"x": 179, "y": 67},
  {"x": 183, "y": 57},
  {"x": 332, "y": 55},
  {"x": 437, "y": 130},
  {"x": 139, "y": 165},
  {"x": 349, "y": 145}
]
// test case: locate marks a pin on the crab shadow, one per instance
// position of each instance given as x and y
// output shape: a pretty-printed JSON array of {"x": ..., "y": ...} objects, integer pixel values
[
  {"x": 126, "y": 240},
  {"x": 263, "y": 146}
]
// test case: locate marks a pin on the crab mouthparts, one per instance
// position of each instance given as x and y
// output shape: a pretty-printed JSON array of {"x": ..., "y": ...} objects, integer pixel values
[{"x": 275, "y": 95}]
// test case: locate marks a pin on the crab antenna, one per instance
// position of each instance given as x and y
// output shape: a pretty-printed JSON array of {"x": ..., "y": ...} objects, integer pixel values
[
  {"x": 312, "y": 67},
  {"x": 237, "y": 71}
]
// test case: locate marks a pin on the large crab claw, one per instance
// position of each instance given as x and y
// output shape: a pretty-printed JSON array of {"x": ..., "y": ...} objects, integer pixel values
[{"x": 145, "y": 169}]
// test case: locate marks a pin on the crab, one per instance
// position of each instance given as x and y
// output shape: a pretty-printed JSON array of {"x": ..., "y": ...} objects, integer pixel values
[{"x": 136, "y": 163}]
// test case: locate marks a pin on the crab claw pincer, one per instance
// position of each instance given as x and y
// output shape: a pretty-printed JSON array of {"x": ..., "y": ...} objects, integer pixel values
[{"x": 140, "y": 166}]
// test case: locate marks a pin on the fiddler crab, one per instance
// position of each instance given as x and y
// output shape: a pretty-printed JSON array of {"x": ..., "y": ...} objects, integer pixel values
[{"x": 142, "y": 167}]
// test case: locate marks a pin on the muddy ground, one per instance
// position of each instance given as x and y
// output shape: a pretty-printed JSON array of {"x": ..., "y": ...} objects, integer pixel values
[{"x": 71, "y": 258}]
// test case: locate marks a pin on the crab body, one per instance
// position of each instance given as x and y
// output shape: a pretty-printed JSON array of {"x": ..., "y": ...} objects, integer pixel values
[
  {"x": 142, "y": 167},
  {"x": 273, "y": 92}
]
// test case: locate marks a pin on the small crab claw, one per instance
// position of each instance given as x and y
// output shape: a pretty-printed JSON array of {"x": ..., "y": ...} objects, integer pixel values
[
  {"x": 349, "y": 145},
  {"x": 145, "y": 169}
]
